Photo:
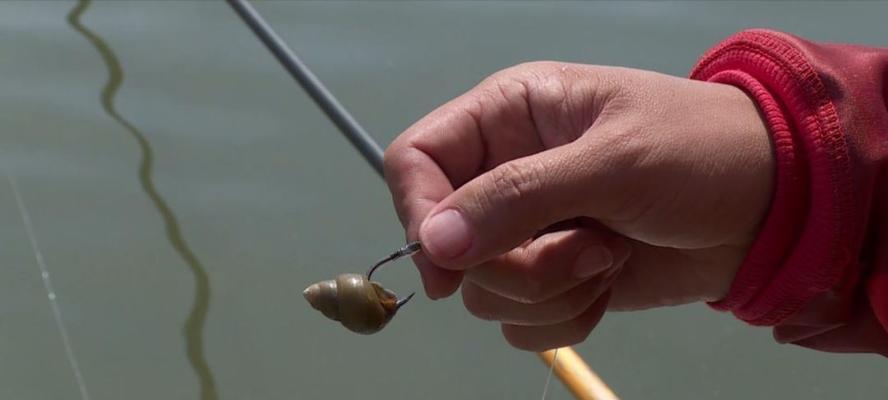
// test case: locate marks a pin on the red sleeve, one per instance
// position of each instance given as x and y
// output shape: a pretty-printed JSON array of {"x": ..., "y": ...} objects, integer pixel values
[{"x": 818, "y": 271}]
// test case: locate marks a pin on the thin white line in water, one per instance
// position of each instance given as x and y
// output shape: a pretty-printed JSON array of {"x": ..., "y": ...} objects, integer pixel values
[
  {"x": 47, "y": 284},
  {"x": 549, "y": 378}
]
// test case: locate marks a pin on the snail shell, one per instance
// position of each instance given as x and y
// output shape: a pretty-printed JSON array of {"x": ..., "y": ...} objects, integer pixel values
[{"x": 360, "y": 305}]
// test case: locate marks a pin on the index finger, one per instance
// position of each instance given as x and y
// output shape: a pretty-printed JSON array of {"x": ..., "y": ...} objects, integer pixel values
[
  {"x": 418, "y": 181},
  {"x": 488, "y": 125}
]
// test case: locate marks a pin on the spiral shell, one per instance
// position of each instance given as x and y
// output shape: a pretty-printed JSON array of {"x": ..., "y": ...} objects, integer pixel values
[{"x": 360, "y": 305}]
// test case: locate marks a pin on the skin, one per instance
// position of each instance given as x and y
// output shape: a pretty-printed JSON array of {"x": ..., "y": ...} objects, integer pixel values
[{"x": 566, "y": 190}]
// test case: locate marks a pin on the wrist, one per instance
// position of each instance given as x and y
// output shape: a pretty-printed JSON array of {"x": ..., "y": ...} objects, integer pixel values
[{"x": 752, "y": 154}]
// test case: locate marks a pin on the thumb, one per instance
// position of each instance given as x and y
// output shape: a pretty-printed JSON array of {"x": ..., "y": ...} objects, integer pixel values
[{"x": 502, "y": 208}]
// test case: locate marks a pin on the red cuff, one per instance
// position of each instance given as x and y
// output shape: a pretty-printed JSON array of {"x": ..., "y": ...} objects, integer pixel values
[{"x": 805, "y": 247}]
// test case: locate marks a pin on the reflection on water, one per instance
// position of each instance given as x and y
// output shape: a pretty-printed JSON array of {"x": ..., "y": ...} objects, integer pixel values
[{"x": 193, "y": 329}]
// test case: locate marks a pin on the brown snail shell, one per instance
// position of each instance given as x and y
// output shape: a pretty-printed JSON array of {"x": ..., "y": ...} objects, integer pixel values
[{"x": 360, "y": 305}]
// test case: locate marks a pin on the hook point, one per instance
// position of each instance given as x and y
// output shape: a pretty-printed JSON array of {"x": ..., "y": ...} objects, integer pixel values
[{"x": 403, "y": 301}]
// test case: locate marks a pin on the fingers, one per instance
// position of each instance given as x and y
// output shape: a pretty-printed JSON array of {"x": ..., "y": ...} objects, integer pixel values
[
  {"x": 514, "y": 115},
  {"x": 444, "y": 150},
  {"x": 489, "y": 125},
  {"x": 437, "y": 282},
  {"x": 418, "y": 182},
  {"x": 565, "y": 307},
  {"x": 660, "y": 276},
  {"x": 554, "y": 279},
  {"x": 484, "y": 127},
  {"x": 498, "y": 210},
  {"x": 540, "y": 338},
  {"x": 550, "y": 292},
  {"x": 550, "y": 265}
]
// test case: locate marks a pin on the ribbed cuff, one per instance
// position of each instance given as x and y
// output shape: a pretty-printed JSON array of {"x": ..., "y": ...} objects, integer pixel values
[{"x": 803, "y": 247}]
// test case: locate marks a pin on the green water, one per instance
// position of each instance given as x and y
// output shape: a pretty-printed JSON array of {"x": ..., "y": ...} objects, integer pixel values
[{"x": 182, "y": 191}]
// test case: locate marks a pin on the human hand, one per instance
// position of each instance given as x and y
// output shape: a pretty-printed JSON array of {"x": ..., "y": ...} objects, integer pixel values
[{"x": 554, "y": 191}]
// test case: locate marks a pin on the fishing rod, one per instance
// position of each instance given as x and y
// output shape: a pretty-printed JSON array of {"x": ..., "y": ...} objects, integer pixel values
[
  {"x": 340, "y": 117},
  {"x": 571, "y": 369}
]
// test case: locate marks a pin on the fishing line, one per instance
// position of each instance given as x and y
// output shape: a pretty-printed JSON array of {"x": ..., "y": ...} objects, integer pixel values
[
  {"x": 193, "y": 327},
  {"x": 549, "y": 377},
  {"x": 47, "y": 284}
]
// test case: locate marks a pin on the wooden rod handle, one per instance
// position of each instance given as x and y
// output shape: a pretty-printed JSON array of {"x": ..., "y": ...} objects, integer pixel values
[{"x": 579, "y": 378}]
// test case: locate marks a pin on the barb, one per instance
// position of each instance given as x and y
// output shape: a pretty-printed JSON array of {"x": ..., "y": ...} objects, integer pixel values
[
  {"x": 47, "y": 284},
  {"x": 194, "y": 324}
]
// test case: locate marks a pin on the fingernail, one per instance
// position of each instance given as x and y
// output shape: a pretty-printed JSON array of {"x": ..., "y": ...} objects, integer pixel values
[
  {"x": 446, "y": 234},
  {"x": 592, "y": 261}
]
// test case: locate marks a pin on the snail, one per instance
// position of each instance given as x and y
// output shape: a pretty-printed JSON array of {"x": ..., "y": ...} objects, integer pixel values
[{"x": 359, "y": 304}]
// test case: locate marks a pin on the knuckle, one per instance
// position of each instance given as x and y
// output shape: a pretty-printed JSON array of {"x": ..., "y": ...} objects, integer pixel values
[
  {"x": 520, "y": 80},
  {"x": 390, "y": 163},
  {"x": 537, "y": 65},
  {"x": 504, "y": 88},
  {"x": 526, "y": 69},
  {"x": 397, "y": 163},
  {"x": 390, "y": 155},
  {"x": 397, "y": 157},
  {"x": 513, "y": 182}
]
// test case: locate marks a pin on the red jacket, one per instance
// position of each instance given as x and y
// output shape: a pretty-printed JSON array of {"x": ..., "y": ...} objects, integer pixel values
[{"x": 818, "y": 271}]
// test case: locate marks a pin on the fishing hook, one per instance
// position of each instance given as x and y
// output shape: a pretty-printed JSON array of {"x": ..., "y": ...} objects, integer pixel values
[{"x": 407, "y": 250}]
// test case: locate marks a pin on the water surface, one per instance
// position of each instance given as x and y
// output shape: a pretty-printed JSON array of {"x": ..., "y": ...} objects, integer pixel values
[{"x": 267, "y": 197}]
